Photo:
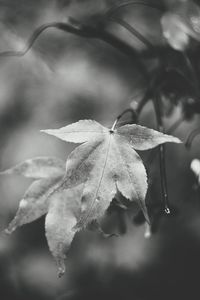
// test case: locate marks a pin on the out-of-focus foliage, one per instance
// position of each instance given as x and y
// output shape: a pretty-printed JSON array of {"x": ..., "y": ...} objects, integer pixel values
[
  {"x": 195, "y": 166},
  {"x": 181, "y": 23}
]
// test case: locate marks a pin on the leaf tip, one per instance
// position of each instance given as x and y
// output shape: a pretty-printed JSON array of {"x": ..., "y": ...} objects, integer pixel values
[
  {"x": 173, "y": 139},
  {"x": 9, "y": 230},
  {"x": 53, "y": 132},
  {"x": 6, "y": 172},
  {"x": 147, "y": 233},
  {"x": 177, "y": 140},
  {"x": 44, "y": 130}
]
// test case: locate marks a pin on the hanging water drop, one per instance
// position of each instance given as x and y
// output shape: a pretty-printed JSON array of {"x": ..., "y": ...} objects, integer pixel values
[{"x": 167, "y": 210}]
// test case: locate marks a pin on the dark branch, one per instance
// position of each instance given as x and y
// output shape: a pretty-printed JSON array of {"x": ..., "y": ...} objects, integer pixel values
[
  {"x": 192, "y": 73},
  {"x": 163, "y": 175},
  {"x": 37, "y": 33},
  {"x": 191, "y": 137},
  {"x": 83, "y": 30},
  {"x": 133, "y": 31},
  {"x": 116, "y": 8},
  {"x": 87, "y": 31}
]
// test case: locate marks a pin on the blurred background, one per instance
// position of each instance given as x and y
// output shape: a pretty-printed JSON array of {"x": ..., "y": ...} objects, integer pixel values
[{"x": 65, "y": 78}]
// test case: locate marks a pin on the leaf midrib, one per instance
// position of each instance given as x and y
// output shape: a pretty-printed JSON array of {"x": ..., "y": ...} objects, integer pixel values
[{"x": 85, "y": 218}]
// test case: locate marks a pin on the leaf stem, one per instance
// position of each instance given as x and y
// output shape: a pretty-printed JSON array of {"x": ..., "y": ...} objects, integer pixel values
[
  {"x": 163, "y": 175},
  {"x": 135, "y": 112},
  {"x": 113, "y": 127},
  {"x": 131, "y": 110},
  {"x": 134, "y": 117}
]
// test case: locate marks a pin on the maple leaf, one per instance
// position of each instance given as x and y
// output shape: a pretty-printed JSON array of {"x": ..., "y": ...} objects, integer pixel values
[
  {"x": 38, "y": 167},
  {"x": 73, "y": 197},
  {"x": 47, "y": 173},
  {"x": 104, "y": 164}
]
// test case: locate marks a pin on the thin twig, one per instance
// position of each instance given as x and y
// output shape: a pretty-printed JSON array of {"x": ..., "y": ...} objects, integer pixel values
[
  {"x": 174, "y": 69},
  {"x": 115, "y": 8},
  {"x": 163, "y": 175},
  {"x": 82, "y": 30},
  {"x": 134, "y": 112},
  {"x": 132, "y": 30},
  {"x": 36, "y": 34},
  {"x": 191, "y": 137},
  {"x": 175, "y": 125},
  {"x": 170, "y": 130},
  {"x": 192, "y": 73},
  {"x": 134, "y": 116},
  {"x": 143, "y": 102}
]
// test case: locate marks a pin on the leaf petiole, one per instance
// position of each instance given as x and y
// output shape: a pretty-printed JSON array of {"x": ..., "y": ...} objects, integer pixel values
[{"x": 134, "y": 117}]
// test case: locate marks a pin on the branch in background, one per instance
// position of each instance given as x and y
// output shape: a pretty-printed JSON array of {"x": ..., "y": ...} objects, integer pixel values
[
  {"x": 170, "y": 130},
  {"x": 36, "y": 34},
  {"x": 192, "y": 74},
  {"x": 133, "y": 116},
  {"x": 175, "y": 125},
  {"x": 116, "y": 8},
  {"x": 77, "y": 28},
  {"x": 181, "y": 74},
  {"x": 163, "y": 175},
  {"x": 82, "y": 30},
  {"x": 135, "y": 111},
  {"x": 191, "y": 137},
  {"x": 133, "y": 31}
]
